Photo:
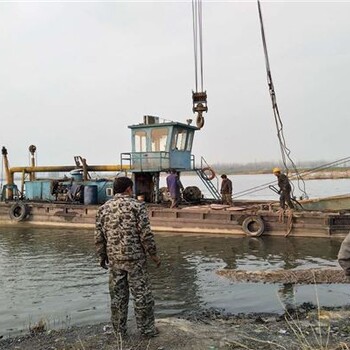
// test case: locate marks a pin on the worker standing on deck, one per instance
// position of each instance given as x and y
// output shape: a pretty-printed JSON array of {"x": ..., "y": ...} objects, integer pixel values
[
  {"x": 285, "y": 188},
  {"x": 123, "y": 238},
  {"x": 174, "y": 186},
  {"x": 226, "y": 190}
]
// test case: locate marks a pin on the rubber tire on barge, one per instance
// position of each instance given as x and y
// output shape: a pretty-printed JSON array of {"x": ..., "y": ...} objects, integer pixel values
[
  {"x": 18, "y": 211},
  {"x": 253, "y": 226}
]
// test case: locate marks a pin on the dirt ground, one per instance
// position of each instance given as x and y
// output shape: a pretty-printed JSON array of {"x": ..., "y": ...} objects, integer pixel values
[{"x": 303, "y": 328}]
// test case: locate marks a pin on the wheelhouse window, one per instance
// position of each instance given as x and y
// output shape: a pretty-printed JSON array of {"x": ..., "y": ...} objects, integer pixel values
[
  {"x": 189, "y": 141},
  {"x": 159, "y": 138},
  {"x": 179, "y": 140},
  {"x": 140, "y": 141}
]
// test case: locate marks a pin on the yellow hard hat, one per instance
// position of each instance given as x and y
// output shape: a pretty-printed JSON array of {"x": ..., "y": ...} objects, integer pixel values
[{"x": 276, "y": 170}]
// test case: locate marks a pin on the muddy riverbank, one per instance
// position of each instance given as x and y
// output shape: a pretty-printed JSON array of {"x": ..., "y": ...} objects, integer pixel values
[{"x": 303, "y": 328}]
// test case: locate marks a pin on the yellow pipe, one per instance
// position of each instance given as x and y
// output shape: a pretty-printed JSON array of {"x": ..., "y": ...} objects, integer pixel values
[{"x": 61, "y": 168}]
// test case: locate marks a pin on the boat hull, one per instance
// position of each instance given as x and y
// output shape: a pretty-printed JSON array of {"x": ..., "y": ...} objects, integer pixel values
[
  {"x": 203, "y": 219},
  {"x": 328, "y": 203}
]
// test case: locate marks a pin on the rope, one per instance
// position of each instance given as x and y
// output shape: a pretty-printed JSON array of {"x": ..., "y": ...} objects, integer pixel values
[
  {"x": 285, "y": 151},
  {"x": 280, "y": 213},
  {"x": 289, "y": 222}
]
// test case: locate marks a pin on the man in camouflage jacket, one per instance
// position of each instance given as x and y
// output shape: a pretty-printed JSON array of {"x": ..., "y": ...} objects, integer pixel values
[
  {"x": 123, "y": 238},
  {"x": 344, "y": 256}
]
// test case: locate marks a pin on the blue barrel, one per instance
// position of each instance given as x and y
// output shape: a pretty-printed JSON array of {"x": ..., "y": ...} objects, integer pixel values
[{"x": 90, "y": 194}]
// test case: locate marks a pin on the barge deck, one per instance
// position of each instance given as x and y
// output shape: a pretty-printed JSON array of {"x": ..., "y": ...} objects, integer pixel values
[{"x": 254, "y": 220}]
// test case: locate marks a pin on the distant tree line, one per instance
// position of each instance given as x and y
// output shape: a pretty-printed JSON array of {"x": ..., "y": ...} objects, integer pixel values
[{"x": 266, "y": 167}]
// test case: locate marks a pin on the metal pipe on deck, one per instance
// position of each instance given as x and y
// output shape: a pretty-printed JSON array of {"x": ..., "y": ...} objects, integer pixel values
[
  {"x": 85, "y": 171},
  {"x": 9, "y": 176},
  {"x": 61, "y": 168},
  {"x": 32, "y": 150},
  {"x": 49, "y": 169}
]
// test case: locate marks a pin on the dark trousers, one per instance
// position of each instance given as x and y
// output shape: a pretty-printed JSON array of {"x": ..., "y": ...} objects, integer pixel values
[
  {"x": 175, "y": 202},
  {"x": 285, "y": 197}
]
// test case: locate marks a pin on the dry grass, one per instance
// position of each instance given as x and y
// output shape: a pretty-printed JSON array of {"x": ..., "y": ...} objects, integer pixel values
[
  {"x": 118, "y": 343},
  {"x": 39, "y": 327}
]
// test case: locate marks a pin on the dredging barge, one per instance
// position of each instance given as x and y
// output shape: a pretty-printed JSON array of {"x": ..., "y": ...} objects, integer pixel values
[
  {"x": 72, "y": 201},
  {"x": 157, "y": 147}
]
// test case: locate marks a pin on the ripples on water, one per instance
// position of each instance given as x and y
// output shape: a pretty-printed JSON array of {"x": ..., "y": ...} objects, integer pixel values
[{"x": 54, "y": 274}]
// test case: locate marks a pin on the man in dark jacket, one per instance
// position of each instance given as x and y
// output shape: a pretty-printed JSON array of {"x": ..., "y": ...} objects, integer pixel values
[
  {"x": 123, "y": 238},
  {"x": 285, "y": 188},
  {"x": 226, "y": 190}
]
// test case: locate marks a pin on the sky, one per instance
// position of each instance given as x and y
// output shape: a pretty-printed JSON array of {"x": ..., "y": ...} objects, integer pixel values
[{"x": 74, "y": 75}]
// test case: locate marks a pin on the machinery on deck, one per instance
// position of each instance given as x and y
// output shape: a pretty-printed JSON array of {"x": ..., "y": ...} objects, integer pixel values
[{"x": 156, "y": 147}]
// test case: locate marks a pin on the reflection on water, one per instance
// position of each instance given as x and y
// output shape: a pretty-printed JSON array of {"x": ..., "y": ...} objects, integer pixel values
[{"x": 53, "y": 274}]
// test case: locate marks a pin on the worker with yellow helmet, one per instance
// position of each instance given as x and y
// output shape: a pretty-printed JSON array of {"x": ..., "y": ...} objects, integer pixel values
[{"x": 285, "y": 188}]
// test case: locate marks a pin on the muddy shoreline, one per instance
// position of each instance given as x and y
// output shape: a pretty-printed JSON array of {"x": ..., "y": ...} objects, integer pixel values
[{"x": 208, "y": 329}]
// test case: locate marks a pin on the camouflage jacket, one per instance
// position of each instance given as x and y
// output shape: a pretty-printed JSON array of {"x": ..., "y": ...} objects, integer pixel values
[
  {"x": 344, "y": 255},
  {"x": 123, "y": 231}
]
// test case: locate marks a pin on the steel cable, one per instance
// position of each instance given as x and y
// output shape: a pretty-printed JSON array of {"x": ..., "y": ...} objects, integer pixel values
[
  {"x": 198, "y": 42},
  {"x": 200, "y": 25},
  {"x": 195, "y": 40},
  {"x": 306, "y": 172},
  {"x": 285, "y": 151}
]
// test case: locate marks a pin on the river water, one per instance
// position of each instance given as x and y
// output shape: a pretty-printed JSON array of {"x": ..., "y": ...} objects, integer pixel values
[{"x": 53, "y": 274}]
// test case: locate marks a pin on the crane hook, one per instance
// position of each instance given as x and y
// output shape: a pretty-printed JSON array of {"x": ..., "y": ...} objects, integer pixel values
[{"x": 199, "y": 106}]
